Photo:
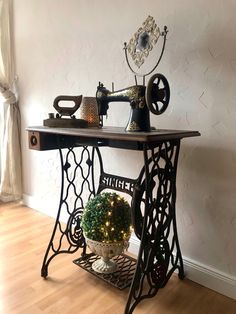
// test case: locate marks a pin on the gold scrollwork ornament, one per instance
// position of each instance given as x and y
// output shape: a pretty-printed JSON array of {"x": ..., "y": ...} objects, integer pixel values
[{"x": 143, "y": 41}]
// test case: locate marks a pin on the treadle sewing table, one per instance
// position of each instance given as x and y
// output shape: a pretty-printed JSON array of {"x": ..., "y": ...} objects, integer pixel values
[{"x": 153, "y": 197}]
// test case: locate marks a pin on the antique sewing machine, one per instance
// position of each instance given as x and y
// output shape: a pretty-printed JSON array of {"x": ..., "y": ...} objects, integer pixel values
[
  {"x": 154, "y": 97},
  {"x": 142, "y": 99}
]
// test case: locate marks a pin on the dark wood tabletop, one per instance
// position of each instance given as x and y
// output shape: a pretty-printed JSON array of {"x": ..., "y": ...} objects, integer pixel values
[{"x": 106, "y": 136}]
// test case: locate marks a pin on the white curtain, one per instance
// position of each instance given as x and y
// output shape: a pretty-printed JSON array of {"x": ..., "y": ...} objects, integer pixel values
[{"x": 10, "y": 149}]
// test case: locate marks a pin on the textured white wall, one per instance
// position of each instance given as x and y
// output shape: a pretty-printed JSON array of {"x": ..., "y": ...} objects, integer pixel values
[{"x": 67, "y": 46}]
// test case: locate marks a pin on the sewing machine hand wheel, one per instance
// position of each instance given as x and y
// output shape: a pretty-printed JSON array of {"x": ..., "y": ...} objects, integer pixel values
[{"x": 157, "y": 94}]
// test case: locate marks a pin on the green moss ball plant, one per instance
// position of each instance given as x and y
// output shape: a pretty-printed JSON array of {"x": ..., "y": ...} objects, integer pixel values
[{"x": 107, "y": 218}]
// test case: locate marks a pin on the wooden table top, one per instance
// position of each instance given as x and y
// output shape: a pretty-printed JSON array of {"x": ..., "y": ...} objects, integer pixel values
[{"x": 117, "y": 133}]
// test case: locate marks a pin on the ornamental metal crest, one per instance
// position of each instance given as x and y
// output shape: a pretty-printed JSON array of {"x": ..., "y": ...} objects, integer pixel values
[{"x": 143, "y": 41}]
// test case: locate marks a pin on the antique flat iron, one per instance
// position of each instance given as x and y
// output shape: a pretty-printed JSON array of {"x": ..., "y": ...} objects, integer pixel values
[
  {"x": 155, "y": 96},
  {"x": 65, "y": 117}
]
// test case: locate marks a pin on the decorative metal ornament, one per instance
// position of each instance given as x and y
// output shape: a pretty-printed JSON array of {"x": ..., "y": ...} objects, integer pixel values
[
  {"x": 143, "y": 41},
  {"x": 141, "y": 44}
]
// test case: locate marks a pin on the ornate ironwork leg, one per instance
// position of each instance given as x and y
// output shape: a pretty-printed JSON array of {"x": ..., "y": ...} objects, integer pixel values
[
  {"x": 153, "y": 210},
  {"x": 77, "y": 184}
]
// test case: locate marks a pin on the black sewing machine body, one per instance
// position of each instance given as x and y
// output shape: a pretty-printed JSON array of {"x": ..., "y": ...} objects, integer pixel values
[
  {"x": 142, "y": 99},
  {"x": 135, "y": 95}
]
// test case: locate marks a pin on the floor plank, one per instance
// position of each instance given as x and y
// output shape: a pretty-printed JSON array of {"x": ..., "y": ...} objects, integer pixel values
[{"x": 24, "y": 235}]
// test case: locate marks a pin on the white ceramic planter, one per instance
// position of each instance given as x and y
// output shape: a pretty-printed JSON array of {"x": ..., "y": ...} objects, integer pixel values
[{"x": 106, "y": 250}]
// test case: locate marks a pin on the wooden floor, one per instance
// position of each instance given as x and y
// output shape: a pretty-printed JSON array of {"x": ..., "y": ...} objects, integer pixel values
[{"x": 24, "y": 234}]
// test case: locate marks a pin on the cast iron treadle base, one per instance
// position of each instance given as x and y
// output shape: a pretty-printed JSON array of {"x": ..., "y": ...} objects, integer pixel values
[{"x": 120, "y": 279}]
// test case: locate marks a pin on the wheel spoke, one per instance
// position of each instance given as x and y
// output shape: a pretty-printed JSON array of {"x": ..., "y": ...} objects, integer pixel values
[
  {"x": 156, "y": 106},
  {"x": 158, "y": 81}
]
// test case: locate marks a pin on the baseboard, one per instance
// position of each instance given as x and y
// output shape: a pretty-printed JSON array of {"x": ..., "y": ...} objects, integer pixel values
[
  {"x": 195, "y": 271},
  {"x": 210, "y": 278},
  {"x": 202, "y": 274}
]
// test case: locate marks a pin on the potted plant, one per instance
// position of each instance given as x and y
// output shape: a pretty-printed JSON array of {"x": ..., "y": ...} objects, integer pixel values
[{"x": 106, "y": 224}]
